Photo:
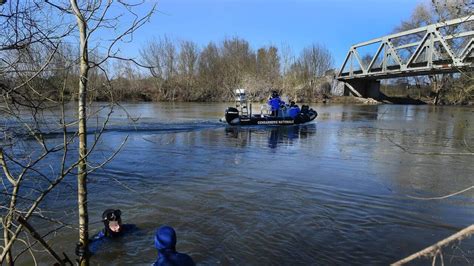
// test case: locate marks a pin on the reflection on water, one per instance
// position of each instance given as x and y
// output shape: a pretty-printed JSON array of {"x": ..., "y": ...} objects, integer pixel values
[
  {"x": 283, "y": 135},
  {"x": 333, "y": 192},
  {"x": 360, "y": 115}
]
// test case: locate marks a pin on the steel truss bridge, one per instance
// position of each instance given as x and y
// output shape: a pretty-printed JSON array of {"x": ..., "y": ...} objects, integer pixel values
[{"x": 444, "y": 47}]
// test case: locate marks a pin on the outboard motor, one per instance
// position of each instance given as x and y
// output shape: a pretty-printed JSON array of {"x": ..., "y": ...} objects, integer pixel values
[{"x": 232, "y": 115}]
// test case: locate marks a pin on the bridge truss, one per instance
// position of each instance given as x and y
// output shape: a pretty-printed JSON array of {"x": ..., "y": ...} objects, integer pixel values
[{"x": 444, "y": 47}]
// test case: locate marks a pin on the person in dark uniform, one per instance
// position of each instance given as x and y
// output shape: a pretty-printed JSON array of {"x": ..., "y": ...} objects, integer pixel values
[
  {"x": 165, "y": 243},
  {"x": 113, "y": 229},
  {"x": 113, "y": 226}
]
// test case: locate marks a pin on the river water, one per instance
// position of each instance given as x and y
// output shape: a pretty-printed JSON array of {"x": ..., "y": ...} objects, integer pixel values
[{"x": 341, "y": 190}]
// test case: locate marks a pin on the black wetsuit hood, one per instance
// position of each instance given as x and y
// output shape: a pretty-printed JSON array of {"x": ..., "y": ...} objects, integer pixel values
[{"x": 108, "y": 216}]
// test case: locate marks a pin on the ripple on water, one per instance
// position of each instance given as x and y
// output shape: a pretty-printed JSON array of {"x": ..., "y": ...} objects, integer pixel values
[{"x": 332, "y": 193}]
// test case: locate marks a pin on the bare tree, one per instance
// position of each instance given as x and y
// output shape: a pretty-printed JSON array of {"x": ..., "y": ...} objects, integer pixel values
[
  {"x": 128, "y": 81},
  {"x": 216, "y": 70},
  {"x": 268, "y": 66},
  {"x": 305, "y": 75},
  {"x": 238, "y": 60},
  {"x": 32, "y": 54},
  {"x": 209, "y": 71},
  {"x": 273, "y": 61},
  {"x": 316, "y": 60},
  {"x": 161, "y": 55},
  {"x": 187, "y": 61},
  {"x": 428, "y": 13},
  {"x": 262, "y": 63},
  {"x": 187, "y": 68}
]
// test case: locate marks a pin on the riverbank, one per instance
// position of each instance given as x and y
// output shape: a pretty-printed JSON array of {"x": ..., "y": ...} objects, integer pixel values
[
  {"x": 385, "y": 99},
  {"x": 371, "y": 101}
]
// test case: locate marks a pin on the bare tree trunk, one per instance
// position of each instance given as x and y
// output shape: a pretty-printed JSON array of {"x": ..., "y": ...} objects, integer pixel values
[
  {"x": 35, "y": 61},
  {"x": 82, "y": 166},
  {"x": 9, "y": 221},
  {"x": 8, "y": 224},
  {"x": 6, "y": 237},
  {"x": 9, "y": 217}
]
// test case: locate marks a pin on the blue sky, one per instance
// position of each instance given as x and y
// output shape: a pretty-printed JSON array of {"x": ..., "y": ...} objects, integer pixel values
[{"x": 337, "y": 24}]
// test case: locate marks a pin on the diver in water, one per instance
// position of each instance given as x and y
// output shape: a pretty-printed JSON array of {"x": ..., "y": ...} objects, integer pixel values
[
  {"x": 275, "y": 102},
  {"x": 113, "y": 228},
  {"x": 165, "y": 243}
]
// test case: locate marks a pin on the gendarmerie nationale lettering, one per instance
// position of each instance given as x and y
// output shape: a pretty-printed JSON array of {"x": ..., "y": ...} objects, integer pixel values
[{"x": 278, "y": 122}]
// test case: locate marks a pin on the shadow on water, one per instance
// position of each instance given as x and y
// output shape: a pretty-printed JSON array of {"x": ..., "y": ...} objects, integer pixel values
[
  {"x": 401, "y": 100},
  {"x": 362, "y": 115},
  {"x": 279, "y": 135}
]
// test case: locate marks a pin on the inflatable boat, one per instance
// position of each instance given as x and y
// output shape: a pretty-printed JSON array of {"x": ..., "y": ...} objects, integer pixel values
[
  {"x": 233, "y": 117},
  {"x": 285, "y": 115}
]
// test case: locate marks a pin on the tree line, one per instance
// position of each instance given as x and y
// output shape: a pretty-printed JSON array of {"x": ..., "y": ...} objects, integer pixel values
[{"x": 181, "y": 70}]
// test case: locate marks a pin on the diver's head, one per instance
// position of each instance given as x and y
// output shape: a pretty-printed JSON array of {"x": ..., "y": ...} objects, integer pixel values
[
  {"x": 165, "y": 238},
  {"x": 274, "y": 94},
  {"x": 112, "y": 220}
]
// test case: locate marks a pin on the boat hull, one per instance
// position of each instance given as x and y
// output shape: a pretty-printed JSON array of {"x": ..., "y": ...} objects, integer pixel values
[{"x": 233, "y": 118}]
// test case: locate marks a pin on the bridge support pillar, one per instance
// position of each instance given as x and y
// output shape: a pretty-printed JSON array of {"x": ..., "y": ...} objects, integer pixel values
[{"x": 367, "y": 88}]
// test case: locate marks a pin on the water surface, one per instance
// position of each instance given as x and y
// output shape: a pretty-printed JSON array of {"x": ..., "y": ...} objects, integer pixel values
[{"x": 336, "y": 191}]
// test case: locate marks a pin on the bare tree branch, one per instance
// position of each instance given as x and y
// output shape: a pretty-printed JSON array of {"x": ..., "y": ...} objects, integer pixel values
[{"x": 435, "y": 248}]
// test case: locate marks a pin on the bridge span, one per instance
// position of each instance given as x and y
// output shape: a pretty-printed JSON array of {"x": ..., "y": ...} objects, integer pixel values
[{"x": 445, "y": 47}]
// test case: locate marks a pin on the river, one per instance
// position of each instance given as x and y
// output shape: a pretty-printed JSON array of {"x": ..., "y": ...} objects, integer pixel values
[{"x": 341, "y": 190}]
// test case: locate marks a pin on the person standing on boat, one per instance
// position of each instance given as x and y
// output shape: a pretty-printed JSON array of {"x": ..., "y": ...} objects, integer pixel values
[
  {"x": 275, "y": 102},
  {"x": 165, "y": 243}
]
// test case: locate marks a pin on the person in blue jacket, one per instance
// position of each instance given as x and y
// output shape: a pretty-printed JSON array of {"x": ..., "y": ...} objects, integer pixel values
[
  {"x": 294, "y": 110},
  {"x": 275, "y": 103},
  {"x": 113, "y": 229},
  {"x": 165, "y": 243}
]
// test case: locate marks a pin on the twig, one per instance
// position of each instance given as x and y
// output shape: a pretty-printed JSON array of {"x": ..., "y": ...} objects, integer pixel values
[
  {"x": 433, "y": 249},
  {"x": 9, "y": 176},
  {"x": 443, "y": 197},
  {"x": 36, "y": 236},
  {"x": 428, "y": 153}
]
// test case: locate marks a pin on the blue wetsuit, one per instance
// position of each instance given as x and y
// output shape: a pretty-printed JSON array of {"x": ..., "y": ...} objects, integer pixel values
[
  {"x": 104, "y": 235},
  {"x": 173, "y": 258},
  {"x": 165, "y": 242}
]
